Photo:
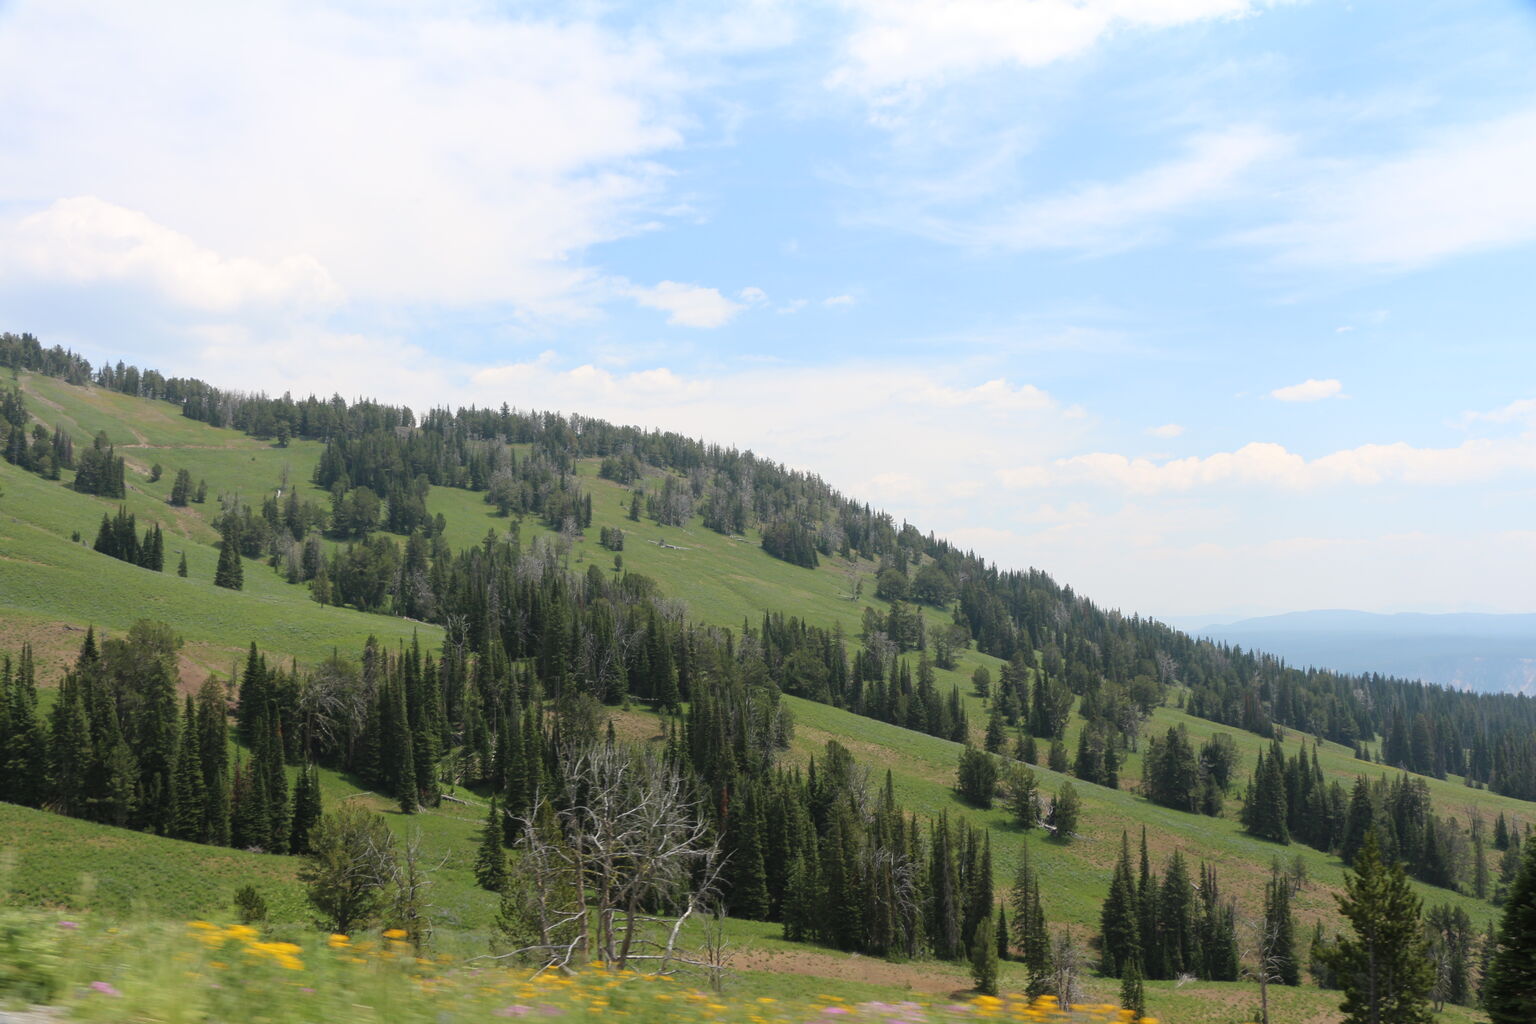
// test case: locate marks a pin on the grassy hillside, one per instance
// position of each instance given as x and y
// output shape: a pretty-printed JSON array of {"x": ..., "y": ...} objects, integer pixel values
[{"x": 52, "y": 586}]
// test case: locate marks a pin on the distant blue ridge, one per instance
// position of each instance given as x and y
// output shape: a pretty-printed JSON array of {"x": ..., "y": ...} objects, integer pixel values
[{"x": 1486, "y": 652}]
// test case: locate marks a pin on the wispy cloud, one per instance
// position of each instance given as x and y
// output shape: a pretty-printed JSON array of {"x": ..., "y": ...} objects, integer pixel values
[
  {"x": 1309, "y": 390},
  {"x": 1463, "y": 189},
  {"x": 900, "y": 47},
  {"x": 1166, "y": 430},
  {"x": 1521, "y": 410},
  {"x": 1119, "y": 214},
  {"x": 1271, "y": 465}
]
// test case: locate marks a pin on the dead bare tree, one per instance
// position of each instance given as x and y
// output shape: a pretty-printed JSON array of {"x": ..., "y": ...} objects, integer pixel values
[
  {"x": 410, "y": 879},
  {"x": 1069, "y": 962},
  {"x": 1268, "y": 958},
  {"x": 618, "y": 870}
]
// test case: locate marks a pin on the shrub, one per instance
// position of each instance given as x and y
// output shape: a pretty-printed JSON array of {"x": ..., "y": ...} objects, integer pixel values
[{"x": 250, "y": 905}]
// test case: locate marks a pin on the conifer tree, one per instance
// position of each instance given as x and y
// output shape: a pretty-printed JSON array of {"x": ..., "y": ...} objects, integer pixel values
[
  {"x": 1056, "y": 760},
  {"x": 69, "y": 749},
  {"x": 249, "y": 824},
  {"x": 400, "y": 750},
  {"x": 997, "y": 729},
  {"x": 1280, "y": 931},
  {"x": 490, "y": 858},
  {"x": 984, "y": 957},
  {"x": 1146, "y": 904},
  {"x": 1065, "y": 810},
  {"x": 1510, "y": 988},
  {"x": 213, "y": 752},
  {"x": 189, "y": 819},
  {"x": 230, "y": 572},
  {"x": 977, "y": 776},
  {"x": 119, "y": 794},
  {"x": 23, "y": 741},
  {"x": 307, "y": 808},
  {"x": 749, "y": 876},
  {"x": 1217, "y": 930},
  {"x": 1264, "y": 808},
  {"x": 273, "y": 777},
  {"x": 1118, "y": 919},
  {"x": 181, "y": 567},
  {"x": 944, "y": 902},
  {"x": 1359, "y": 821},
  {"x": 181, "y": 489},
  {"x": 1132, "y": 995},
  {"x": 1383, "y": 969},
  {"x": 1176, "y": 937}
]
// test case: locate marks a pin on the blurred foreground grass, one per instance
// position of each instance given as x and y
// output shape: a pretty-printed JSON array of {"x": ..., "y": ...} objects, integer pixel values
[{"x": 201, "y": 972}]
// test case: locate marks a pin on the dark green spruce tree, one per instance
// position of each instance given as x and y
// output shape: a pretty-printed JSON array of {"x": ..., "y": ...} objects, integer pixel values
[
  {"x": 69, "y": 755},
  {"x": 1264, "y": 807},
  {"x": 1118, "y": 919},
  {"x": 1384, "y": 967},
  {"x": 984, "y": 957},
  {"x": 490, "y": 857},
  {"x": 189, "y": 819},
  {"x": 230, "y": 572},
  {"x": 307, "y": 808},
  {"x": 1509, "y": 993},
  {"x": 213, "y": 752}
]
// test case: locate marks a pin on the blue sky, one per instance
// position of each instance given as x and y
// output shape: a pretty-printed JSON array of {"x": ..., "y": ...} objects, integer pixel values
[{"x": 1207, "y": 307}]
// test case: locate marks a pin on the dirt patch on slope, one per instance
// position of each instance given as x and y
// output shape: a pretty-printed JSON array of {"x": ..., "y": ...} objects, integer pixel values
[{"x": 852, "y": 967}]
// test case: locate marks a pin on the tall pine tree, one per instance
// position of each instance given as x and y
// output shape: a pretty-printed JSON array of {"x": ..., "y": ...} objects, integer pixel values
[
  {"x": 1384, "y": 968},
  {"x": 1509, "y": 993}
]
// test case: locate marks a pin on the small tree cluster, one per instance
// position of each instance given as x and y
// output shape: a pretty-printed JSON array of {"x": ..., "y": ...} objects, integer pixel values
[{"x": 118, "y": 537}]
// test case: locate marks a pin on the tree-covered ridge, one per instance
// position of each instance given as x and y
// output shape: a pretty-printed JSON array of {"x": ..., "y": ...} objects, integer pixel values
[{"x": 1488, "y": 738}]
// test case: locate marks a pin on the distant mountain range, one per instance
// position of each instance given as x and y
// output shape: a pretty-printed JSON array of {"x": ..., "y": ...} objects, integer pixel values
[{"x": 1488, "y": 653}]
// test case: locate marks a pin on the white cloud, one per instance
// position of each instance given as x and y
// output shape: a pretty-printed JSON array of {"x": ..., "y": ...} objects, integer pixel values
[
  {"x": 1267, "y": 464},
  {"x": 1464, "y": 189},
  {"x": 1521, "y": 410},
  {"x": 1114, "y": 215},
  {"x": 793, "y": 306},
  {"x": 441, "y": 154},
  {"x": 1166, "y": 430},
  {"x": 996, "y": 395},
  {"x": 898, "y": 47},
  {"x": 753, "y": 296},
  {"x": 84, "y": 240},
  {"x": 839, "y": 300},
  {"x": 687, "y": 305},
  {"x": 1309, "y": 390}
]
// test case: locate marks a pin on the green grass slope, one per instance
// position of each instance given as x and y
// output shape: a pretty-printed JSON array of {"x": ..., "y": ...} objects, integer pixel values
[{"x": 52, "y": 587}]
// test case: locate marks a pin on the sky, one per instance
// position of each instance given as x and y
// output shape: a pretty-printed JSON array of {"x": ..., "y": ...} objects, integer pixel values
[{"x": 1209, "y": 308}]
